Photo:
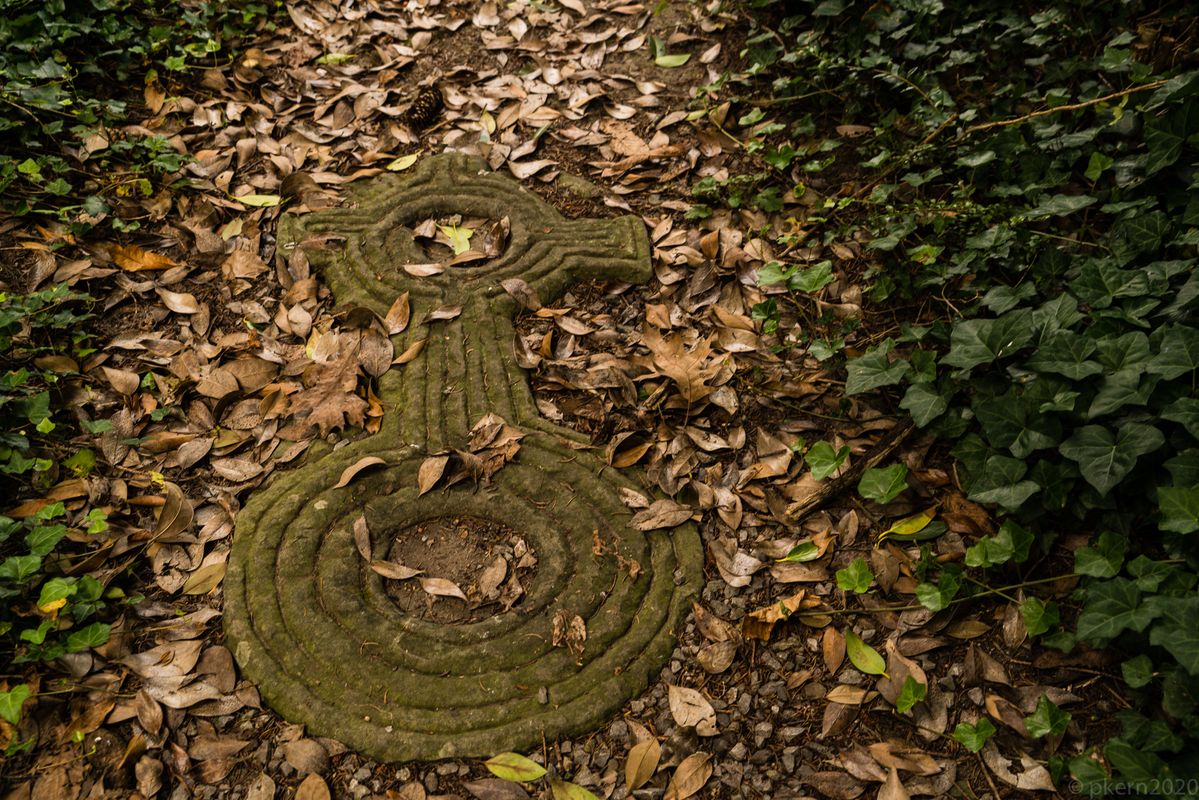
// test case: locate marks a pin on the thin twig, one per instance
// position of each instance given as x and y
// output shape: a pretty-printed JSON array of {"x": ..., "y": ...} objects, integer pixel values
[{"x": 1071, "y": 107}]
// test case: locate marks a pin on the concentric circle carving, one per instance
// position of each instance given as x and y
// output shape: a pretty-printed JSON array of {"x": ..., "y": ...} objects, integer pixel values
[{"x": 315, "y": 627}]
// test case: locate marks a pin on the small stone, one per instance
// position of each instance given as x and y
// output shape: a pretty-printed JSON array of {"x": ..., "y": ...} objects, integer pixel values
[{"x": 738, "y": 752}]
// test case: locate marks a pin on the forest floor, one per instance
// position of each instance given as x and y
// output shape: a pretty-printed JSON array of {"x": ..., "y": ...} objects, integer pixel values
[{"x": 207, "y": 345}]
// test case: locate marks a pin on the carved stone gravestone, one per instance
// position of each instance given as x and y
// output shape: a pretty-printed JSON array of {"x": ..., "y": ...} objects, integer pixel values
[{"x": 319, "y": 631}]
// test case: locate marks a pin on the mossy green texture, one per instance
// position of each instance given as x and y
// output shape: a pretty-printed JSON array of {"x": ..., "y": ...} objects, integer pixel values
[{"x": 311, "y": 623}]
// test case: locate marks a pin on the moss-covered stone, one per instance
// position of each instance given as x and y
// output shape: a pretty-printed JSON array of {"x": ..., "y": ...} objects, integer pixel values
[{"x": 311, "y": 623}]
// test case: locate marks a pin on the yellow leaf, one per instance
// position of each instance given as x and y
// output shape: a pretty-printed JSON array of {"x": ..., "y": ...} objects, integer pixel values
[
  {"x": 459, "y": 237},
  {"x": 909, "y": 526},
  {"x": 132, "y": 258},
  {"x": 53, "y": 606},
  {"x": 403, "y": 162},
  {"x": 259, "y": 200}
]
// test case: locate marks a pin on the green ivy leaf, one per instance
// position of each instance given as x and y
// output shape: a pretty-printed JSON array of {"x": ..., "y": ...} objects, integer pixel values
[
  {"x": 857, "y": 577},
  {"x": 20, "y": 568},
  {"x": 913, "y": 692},
  {"x": 937, "y": 596},
  {"x": 924, "y": 403},
  {"x": 1179, "y": 353},
  {"x": 1105, "y": 458},
  {"x": 1137, "y": 671},
  {"x": 812, "y": 279},
  {"x": 1066, "y": 353},
  {"x": 514, "y": 767},
  {"x": 823, "y": 460},
  {"x": 863, "y": 656},
  {"x": 87, "y": 637},
  {"x": 875, "y": 369},
  {"x": 1059, "y": 205},
  {"x": 1184, "y": 411},
  {"x": 883, "y": 484},
  {"x": 1010, "y": 541},
  {"x": 1046, "y": 720},
  {"x": 1179, "y": 508},
  {"x": 1039, "y": 616},
  {"x": 1113, "y": 606},
  {"x": 973, "y": 737},
  {"x": 11, "y": 702},
  {"x": 982, "y": 341},
  {"x": 1105, "y": 559}
]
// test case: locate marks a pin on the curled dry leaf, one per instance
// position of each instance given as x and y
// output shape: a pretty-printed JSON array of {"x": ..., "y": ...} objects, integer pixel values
[
  {"x": 689, "y": 777},
  {"x": 313, "y": 788},
  {"x": 397, "y": 572},
  {"x": 176, "y": 514},
  {"x": 362, "y": 538},
  {"x": 424, "y": 270},
  {"x": 179, "y": 302},
  {"x": 124, "y": 381},
  {"x": 411, "y": 352},
  {"x": 642, "y": 763},
  {"x": 443, "y": 313},
  {"x": 1029, "y": 776},
  {"x": 351, "y": 472},
  {"x": 398, "y": 315},
  {"x": 691, "y": 709},
  {"x": 759, "y": 624},
  {"x": 440, "y": 587},
  {"x": 205, "y": 579},
  {"x": 430, "y": 472},
  {"x": 522, "y": 293},
  {"x": 132, "y": 258},
  {"x": 662, "y": 513},
  {"x": 893, "y": 789},
  {"x": 482, "y": 789}
]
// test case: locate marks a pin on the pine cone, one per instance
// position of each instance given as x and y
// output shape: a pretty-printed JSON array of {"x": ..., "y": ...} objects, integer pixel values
[{"x": 425, "y": 109}]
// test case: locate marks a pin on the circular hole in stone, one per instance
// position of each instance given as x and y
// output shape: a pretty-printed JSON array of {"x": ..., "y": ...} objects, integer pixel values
[
  {"x": 490, "y": 563},
  {"x": 458, "y": 240}
]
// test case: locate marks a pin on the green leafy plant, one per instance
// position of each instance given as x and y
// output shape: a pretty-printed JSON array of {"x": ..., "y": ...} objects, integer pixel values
[{"x": 1047, "y": 224}]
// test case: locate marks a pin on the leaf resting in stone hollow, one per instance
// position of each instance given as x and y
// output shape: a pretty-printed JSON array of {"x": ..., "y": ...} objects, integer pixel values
[
  {"x": 440, "y": 587},
  {"x": 397, "y": 572}
]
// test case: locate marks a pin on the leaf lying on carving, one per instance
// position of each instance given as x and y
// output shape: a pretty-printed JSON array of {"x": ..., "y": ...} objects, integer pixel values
[
  {"x": 331, "y": 402},
  {"x": 362, "y": 538},
  {"x": 412, "y": 352},
  {"x": 430, "y": 472},
  {"x": 662, "y": 513},
  {"x": 443, "y": 313},
  {"x": 440, "y": 587},
  {"x": 424, "y": 270},
  {"x": 397, "y": 572},
  {"x": 349, "y": 473},
  {"x": 398, "y": 315}
]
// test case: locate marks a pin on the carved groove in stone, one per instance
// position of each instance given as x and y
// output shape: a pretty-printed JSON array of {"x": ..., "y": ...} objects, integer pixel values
[{"x": 305, "y": 616}]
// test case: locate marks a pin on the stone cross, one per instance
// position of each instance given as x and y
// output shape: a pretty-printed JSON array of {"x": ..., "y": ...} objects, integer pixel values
[{"x": 314, "y": 627}]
